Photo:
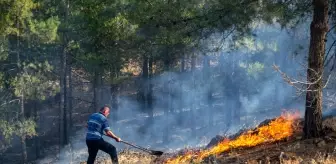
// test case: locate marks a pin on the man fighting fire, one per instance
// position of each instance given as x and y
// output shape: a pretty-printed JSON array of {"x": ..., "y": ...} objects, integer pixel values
[{"x": 96, "y": 126}]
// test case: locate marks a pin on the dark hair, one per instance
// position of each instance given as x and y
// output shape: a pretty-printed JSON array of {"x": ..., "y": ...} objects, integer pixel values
[{"x": 102, "y": 109}]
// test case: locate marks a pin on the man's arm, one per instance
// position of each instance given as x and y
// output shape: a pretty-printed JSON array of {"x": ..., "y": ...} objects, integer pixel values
[
  {"x": 110, "y": 134},
  {"x": 108, "y": 131}
]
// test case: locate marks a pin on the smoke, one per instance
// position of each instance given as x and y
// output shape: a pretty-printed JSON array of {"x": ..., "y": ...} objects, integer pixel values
[{"x": 240, "y": 80}]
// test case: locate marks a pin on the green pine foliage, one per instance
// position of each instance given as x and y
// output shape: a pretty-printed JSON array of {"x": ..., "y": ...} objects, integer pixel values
[{"x": 101, "y": 37}]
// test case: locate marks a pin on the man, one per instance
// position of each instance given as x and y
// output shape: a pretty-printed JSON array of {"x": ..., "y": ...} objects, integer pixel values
[{"x": 96, "y": 126}]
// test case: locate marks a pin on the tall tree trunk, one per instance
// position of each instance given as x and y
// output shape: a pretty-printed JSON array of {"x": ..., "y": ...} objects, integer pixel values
[
  {"x": 193, "y": 103},
  {"x": 69, "y": 104},
  {"x": 97, "y": 94},
  {"x": 69, "y": 97},
  {"x": 114, "y": 96},
  {"x": 318, "y": 29},
  {"x": 63, "y": 82},
  {"x": 64, "y": 79},
  {"x": 144, "y": 88},
  {"x": 183, "y": 63},
  {"x": 62, "y": 103},
  {"x": 207, "y": 76},
  {"x": 95, "y": 91},
  {"x": 235, "y": 89},
  {"x": 101, "y": 98},
  {"x": 101, "y": 93},
  {"x": 226, "y": 109},
  {"x": 37, "y": 138},
  {"x": 21, "y": 114},
  {"x": 181, "y": 81},
  {"x": 147, "y": 91},
  {"x": 150, "y": 89},
  {"x": 65, "y": 105},
  {"x": 23, "y": 136},
  {"x": 166, "y": 88}
]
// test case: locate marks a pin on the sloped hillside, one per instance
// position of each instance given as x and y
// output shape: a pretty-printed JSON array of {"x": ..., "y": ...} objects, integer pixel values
[{"x": 291, "y": 149}]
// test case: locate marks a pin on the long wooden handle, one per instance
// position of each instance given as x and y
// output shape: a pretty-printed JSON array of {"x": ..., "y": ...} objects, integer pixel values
[{"x": 141, "y": 148}]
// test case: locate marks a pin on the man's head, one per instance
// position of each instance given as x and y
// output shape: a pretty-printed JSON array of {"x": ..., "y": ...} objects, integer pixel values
[{"x": 105, "y": 110}]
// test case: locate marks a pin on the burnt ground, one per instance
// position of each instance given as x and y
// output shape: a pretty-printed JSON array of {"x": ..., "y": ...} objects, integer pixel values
[{"x": 293, "y": 150}]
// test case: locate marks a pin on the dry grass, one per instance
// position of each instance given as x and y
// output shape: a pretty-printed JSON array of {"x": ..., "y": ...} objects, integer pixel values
[
  {"x": 292, "y": 151},
  {"x": 297, "y": 151},
  {"x": 132, "y": 157},
  {"x": 129, "y": 157}
]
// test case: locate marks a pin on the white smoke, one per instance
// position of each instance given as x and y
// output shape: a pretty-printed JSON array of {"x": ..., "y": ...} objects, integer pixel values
[{"x": 131, "y": 124}]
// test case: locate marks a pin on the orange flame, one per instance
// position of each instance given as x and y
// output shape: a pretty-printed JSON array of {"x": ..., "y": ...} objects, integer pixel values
[{"x": 276, "y": 130}]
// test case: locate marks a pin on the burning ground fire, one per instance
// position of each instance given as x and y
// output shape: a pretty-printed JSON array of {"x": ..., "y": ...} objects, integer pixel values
[{"x": 277, "y": 130}]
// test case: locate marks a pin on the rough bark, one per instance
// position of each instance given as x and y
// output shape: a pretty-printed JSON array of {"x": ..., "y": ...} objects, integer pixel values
[{"x": 318, "y": 30}]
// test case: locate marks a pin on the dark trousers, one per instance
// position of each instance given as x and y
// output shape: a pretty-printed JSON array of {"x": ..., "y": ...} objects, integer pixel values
[{"x": 95, "y": 145}]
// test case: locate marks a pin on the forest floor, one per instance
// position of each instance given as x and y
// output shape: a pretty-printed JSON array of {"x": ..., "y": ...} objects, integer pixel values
[{"x": 290, "y": 151}]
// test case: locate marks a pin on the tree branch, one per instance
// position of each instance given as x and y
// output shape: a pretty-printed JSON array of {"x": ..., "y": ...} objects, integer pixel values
[
  {"x": 221, "y": 11},
  {"x": 331, "y": 29},
  {"x": 5, "y": 103},
  {"x": 300, "y": 85},
  {"x": 326, "y": 58}
]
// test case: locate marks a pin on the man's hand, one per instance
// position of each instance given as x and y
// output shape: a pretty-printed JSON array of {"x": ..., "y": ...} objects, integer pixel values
[{"x": 118, "y": 139}]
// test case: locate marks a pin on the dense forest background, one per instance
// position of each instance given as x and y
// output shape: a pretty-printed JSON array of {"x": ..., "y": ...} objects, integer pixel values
[{"x": 175, "y": 73}]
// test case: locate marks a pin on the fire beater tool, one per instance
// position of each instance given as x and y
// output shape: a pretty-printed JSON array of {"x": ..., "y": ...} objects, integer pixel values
[{"x": 153, "y": 152}]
